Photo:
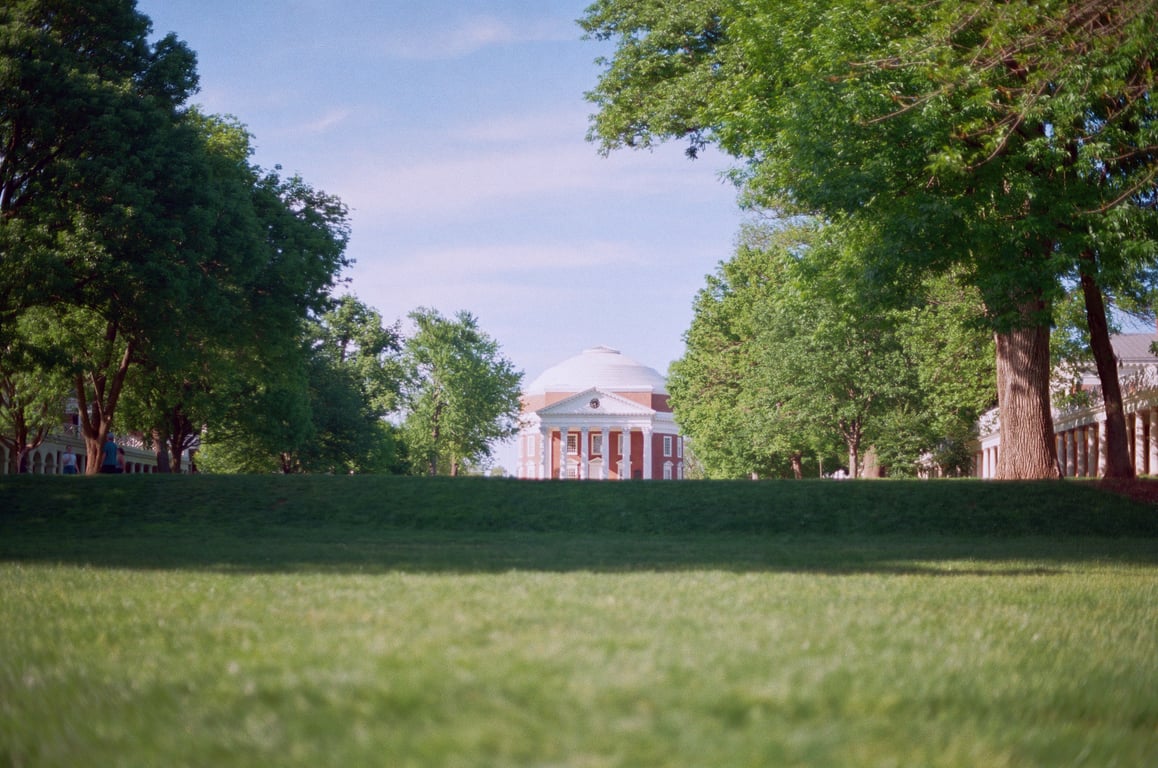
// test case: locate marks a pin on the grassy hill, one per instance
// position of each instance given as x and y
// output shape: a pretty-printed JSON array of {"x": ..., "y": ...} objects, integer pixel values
[
  {"x": 481, "y": 623},
  {"x": 388, "y": 522},
  {"x": 950, "y": 507}
]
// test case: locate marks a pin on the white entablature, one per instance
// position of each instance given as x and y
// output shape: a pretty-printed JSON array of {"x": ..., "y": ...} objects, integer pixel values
[{"x": 595, "y": 403}]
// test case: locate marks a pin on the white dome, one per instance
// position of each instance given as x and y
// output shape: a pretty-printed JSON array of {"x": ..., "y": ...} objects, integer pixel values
[{"x": 601, "y": 367}]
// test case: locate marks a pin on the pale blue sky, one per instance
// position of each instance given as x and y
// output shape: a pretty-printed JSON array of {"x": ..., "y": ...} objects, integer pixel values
[{"x": 455, "y": 132}]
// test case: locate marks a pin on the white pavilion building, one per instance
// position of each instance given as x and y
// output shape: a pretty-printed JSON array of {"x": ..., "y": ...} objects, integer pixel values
[
  {"x": 1080, "y": 431},
  {"x": 599, "y": 415}
]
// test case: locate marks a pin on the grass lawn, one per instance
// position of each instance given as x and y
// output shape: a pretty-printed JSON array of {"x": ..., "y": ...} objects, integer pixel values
[{"x": 407, "y": 622}]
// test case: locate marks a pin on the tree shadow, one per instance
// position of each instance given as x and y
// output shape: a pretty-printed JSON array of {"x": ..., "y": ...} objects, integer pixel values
[{"x": 451, "y": 552}]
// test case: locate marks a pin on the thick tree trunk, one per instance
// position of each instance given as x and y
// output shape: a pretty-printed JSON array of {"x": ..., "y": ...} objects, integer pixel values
[
  {"x": 1027, "y": 450},
  {"x": 797, "y": 465},
  {"x": 1117, "y": 446},
  {"x": 161, "y": 449}
]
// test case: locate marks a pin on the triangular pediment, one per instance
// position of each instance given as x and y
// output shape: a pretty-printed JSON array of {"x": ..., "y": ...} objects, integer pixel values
[{"x": 595, "y": 402}]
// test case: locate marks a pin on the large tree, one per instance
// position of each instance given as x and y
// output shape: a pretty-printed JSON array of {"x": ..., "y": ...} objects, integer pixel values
[
  {"x": 735, "y": 425},
  {"x": 999, "y": 140},
  {"x": 355, "y": 378},
  {"x": 98, "y": 178},
  {"x": 144, "y": 231},
  {"x": 460, "y": 394}
]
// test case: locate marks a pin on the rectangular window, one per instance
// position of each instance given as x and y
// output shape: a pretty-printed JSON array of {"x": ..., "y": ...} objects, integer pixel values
[
  {"x": 597, "y": 444},
  {"x": 573, "y": 442},
  {"x": 667, "y": 445}
]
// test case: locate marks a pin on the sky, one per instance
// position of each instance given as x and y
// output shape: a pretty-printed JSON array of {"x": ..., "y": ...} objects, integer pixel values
[{"x": 455, "y": 131}]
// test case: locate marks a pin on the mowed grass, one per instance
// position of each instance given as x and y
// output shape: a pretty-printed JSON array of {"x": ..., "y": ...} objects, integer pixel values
[{"x": 411, "y": 622}]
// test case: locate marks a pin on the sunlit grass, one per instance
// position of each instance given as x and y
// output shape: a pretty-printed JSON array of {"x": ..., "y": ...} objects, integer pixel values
[{"x": 248, "y": 636}]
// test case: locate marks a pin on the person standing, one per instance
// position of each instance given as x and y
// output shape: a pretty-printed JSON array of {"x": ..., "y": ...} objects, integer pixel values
[
  {"x": 68, "y": 461},
  {"x": 109, "y": 456}
]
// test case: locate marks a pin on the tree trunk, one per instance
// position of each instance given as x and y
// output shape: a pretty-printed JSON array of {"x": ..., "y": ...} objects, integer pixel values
[
  {"x": 182, "y": 434},
  {"x": 797, "y": 465},
  {"x": 96, "y": 415},
  {"x": 435, "y": 433},
  {"x": 1026, "y": 450},
  {"x": 852, "y": 435},
  {"x": 871, "y": 469},
  {"x": 161, "y": 450},
  {"x": 1117, "y": 447}
]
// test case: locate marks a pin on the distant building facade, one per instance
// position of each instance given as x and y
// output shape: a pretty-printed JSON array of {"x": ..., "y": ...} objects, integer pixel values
[
  {"x": 48, "y": 457},
  {"x": 1080, "y": 429},
  {"x": 599, "y": 415}
]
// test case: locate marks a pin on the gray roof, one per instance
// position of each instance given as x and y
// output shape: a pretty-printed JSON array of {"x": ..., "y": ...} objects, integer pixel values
[{"x": 1134, "y": 348}]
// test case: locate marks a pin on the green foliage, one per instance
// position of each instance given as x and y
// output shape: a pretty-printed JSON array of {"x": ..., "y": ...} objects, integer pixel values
[
  {"x": 175, "y": 270},
  {"x": 793, "y": 352},
  {"x": 459, "y": 395},
  {"x": 709, "y": 383},
  {"x": 32, "y": 385},
  {"x": 1001, "y": 143}
]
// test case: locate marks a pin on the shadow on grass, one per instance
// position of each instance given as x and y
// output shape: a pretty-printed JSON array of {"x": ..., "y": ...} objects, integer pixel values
[
  {"x": 386, "y": 525},
  {"x": 451, "y": 552}
]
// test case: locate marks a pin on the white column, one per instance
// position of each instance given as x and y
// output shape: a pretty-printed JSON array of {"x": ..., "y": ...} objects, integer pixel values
[
  {"x": 563, "y": 458},
  {"x": 1082, "y": 446},
  {"x": 648, "y": 439},
  {"x": 625, "y": 454},
  {"x": 1139, "y": 444},
  {"x": 605, "y": 454},
  {"x": 584, "y": 453},
  {"x": 1100, "y": 441},
  {"x": 1153, "y": 440},
  {"x": 1090, "y": 450},
  {"x": 544, "y": 452}
]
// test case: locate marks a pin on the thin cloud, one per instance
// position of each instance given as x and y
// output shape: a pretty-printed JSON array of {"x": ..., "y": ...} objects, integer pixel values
[
  {"x": 461, "y": 262},
  {"x": 473, "y": 180},
  {"x": 323, "y": 124},
  {"x": 563, "y": 124},
  {"x": 472, "y": 35}
]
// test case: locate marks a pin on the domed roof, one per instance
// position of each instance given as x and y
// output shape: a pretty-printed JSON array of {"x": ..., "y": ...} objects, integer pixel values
[{"x": 601, "y": 367}]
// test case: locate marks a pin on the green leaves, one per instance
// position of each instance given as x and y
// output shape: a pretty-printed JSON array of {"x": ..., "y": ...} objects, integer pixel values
[
  {"x": 460, "y": 393},
  {"x": 795, "y": 355}
]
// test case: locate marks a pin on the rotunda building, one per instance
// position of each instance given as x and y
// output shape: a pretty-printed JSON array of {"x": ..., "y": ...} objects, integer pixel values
[{"x": 599, "y": 415}]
